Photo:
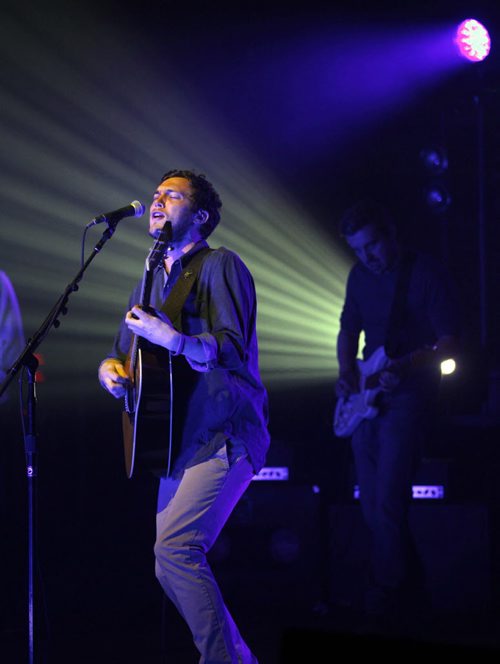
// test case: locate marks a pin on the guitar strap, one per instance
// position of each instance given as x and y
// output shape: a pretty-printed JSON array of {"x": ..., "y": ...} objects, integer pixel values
[
  {"x": 398, "y": 309},
  {"x": 182, "y": 287}
]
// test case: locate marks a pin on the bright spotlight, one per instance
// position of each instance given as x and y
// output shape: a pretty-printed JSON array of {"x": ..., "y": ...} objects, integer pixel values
[
  {"x": 473, "y": 40},
  {"x": 448, "y": 366}
]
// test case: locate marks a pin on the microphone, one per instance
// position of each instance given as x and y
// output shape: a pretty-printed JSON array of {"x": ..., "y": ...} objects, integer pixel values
[{"x": 135, "y": 209}]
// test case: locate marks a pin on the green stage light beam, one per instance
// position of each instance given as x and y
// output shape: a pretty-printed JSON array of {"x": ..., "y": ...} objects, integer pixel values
[{"x": 82, "y": 138}]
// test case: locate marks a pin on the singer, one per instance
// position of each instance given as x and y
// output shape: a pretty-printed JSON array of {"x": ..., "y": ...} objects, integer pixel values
[{"x": 220, "y": 427}]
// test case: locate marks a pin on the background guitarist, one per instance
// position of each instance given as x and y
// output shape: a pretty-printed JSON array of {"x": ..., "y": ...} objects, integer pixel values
[
  {"x": 222, "y": 433},
  {"x": 418, "y": 331}
]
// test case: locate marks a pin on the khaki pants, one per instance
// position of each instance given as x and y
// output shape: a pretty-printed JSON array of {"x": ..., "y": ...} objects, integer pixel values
[{"x": 191, "y": 514}]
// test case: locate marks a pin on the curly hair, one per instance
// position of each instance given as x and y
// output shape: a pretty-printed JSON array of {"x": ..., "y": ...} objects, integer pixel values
[
  {"x": 204, "y": 197},
  {"x": 363, "y": 213}
]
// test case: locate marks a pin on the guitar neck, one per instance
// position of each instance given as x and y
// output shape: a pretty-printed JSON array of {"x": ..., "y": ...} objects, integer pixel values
[
  {"x": 153, "y": 259},
  {"x": 147, "y": 285}
]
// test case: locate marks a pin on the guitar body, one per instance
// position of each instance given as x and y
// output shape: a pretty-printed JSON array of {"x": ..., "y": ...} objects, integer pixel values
[
  {"x": 146, "y": 420},
  {"x": 350, "y": 411}
]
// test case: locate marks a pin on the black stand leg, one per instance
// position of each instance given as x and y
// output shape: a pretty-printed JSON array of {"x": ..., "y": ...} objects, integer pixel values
[
  {"x": 28, "y": 360},
  {"x": 31, "y": 474}
]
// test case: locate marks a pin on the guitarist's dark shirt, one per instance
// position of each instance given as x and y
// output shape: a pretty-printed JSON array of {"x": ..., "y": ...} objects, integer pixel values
[
  {"x": 430, "y": 308},
  {"x": 223, "y": 398}
]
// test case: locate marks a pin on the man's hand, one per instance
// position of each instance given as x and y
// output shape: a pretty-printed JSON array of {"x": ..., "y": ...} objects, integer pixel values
[
  {"x": 348, "y": 383},
  {"x": 156, "y": 329},
  {"x": 113, "y": 377},
  {"x": 394, "y": 372}
]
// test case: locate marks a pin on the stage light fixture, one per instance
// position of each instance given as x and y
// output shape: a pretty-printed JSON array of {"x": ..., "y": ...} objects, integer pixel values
[
  {"x": 437, "y": 197},
  {"x": 473, "y": 40},
  {"x": 448, "y": 366},
  {"x": 434, "y": 160}
]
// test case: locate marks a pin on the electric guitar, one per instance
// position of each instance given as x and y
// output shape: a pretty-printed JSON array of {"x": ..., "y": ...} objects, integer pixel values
[
  {"x": 351, "y": 410},
  {"x": 146, "y": 418}
]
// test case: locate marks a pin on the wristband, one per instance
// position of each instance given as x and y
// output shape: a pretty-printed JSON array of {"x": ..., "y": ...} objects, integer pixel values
[{"x": 180, "y": 347}]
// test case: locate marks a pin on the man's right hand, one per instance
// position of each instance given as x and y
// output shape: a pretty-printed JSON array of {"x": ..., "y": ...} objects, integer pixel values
[
  {"x": 347, "y": 383},
  {"x": 113, "y": 377}
]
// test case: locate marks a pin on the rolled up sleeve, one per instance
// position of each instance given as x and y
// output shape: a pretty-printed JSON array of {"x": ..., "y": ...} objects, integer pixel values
[{"x": 229, "y": 293}]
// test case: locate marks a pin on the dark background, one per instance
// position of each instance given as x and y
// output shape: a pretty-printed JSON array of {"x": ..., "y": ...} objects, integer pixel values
[{"x": 280, "y": 561}]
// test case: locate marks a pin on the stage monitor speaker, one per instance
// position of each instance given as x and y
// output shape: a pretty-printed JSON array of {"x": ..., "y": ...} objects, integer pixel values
[
  {"x": 269, "y": 552},
  {"x": 453, "y": 541}
]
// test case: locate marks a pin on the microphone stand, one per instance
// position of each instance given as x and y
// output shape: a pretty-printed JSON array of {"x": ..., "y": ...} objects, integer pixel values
[{"x": 28, "y": 360}]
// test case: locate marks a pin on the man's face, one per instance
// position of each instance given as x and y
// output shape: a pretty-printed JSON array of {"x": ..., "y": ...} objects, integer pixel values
[
  {"x": 376, "y": 250},
  {"x": 172, "y": 201}
]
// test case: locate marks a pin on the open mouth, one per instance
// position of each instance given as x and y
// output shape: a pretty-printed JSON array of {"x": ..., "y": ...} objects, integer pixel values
[{"x": 157, "y": 215}]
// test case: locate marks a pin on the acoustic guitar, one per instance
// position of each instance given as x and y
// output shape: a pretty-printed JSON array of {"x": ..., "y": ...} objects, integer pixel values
[{"x": 147, "y": 415}]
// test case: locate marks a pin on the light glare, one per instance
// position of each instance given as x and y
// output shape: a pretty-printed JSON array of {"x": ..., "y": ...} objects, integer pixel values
[
  {"x": 92, "y": 152},
  {"x": 473, "y": 40},
  {"x": 448, "y": 366}
]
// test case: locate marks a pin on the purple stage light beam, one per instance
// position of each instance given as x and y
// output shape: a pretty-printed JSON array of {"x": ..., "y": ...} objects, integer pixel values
[{"x": 473, "y": 40}]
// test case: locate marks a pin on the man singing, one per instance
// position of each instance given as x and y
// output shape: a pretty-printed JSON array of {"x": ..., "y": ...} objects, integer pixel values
[{"x": 221, "y": 437}]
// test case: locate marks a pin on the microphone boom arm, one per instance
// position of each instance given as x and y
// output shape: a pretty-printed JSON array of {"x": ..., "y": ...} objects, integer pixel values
[
  {"x": 52, "y": 319},
  {"x": 28, "y": 360}
]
